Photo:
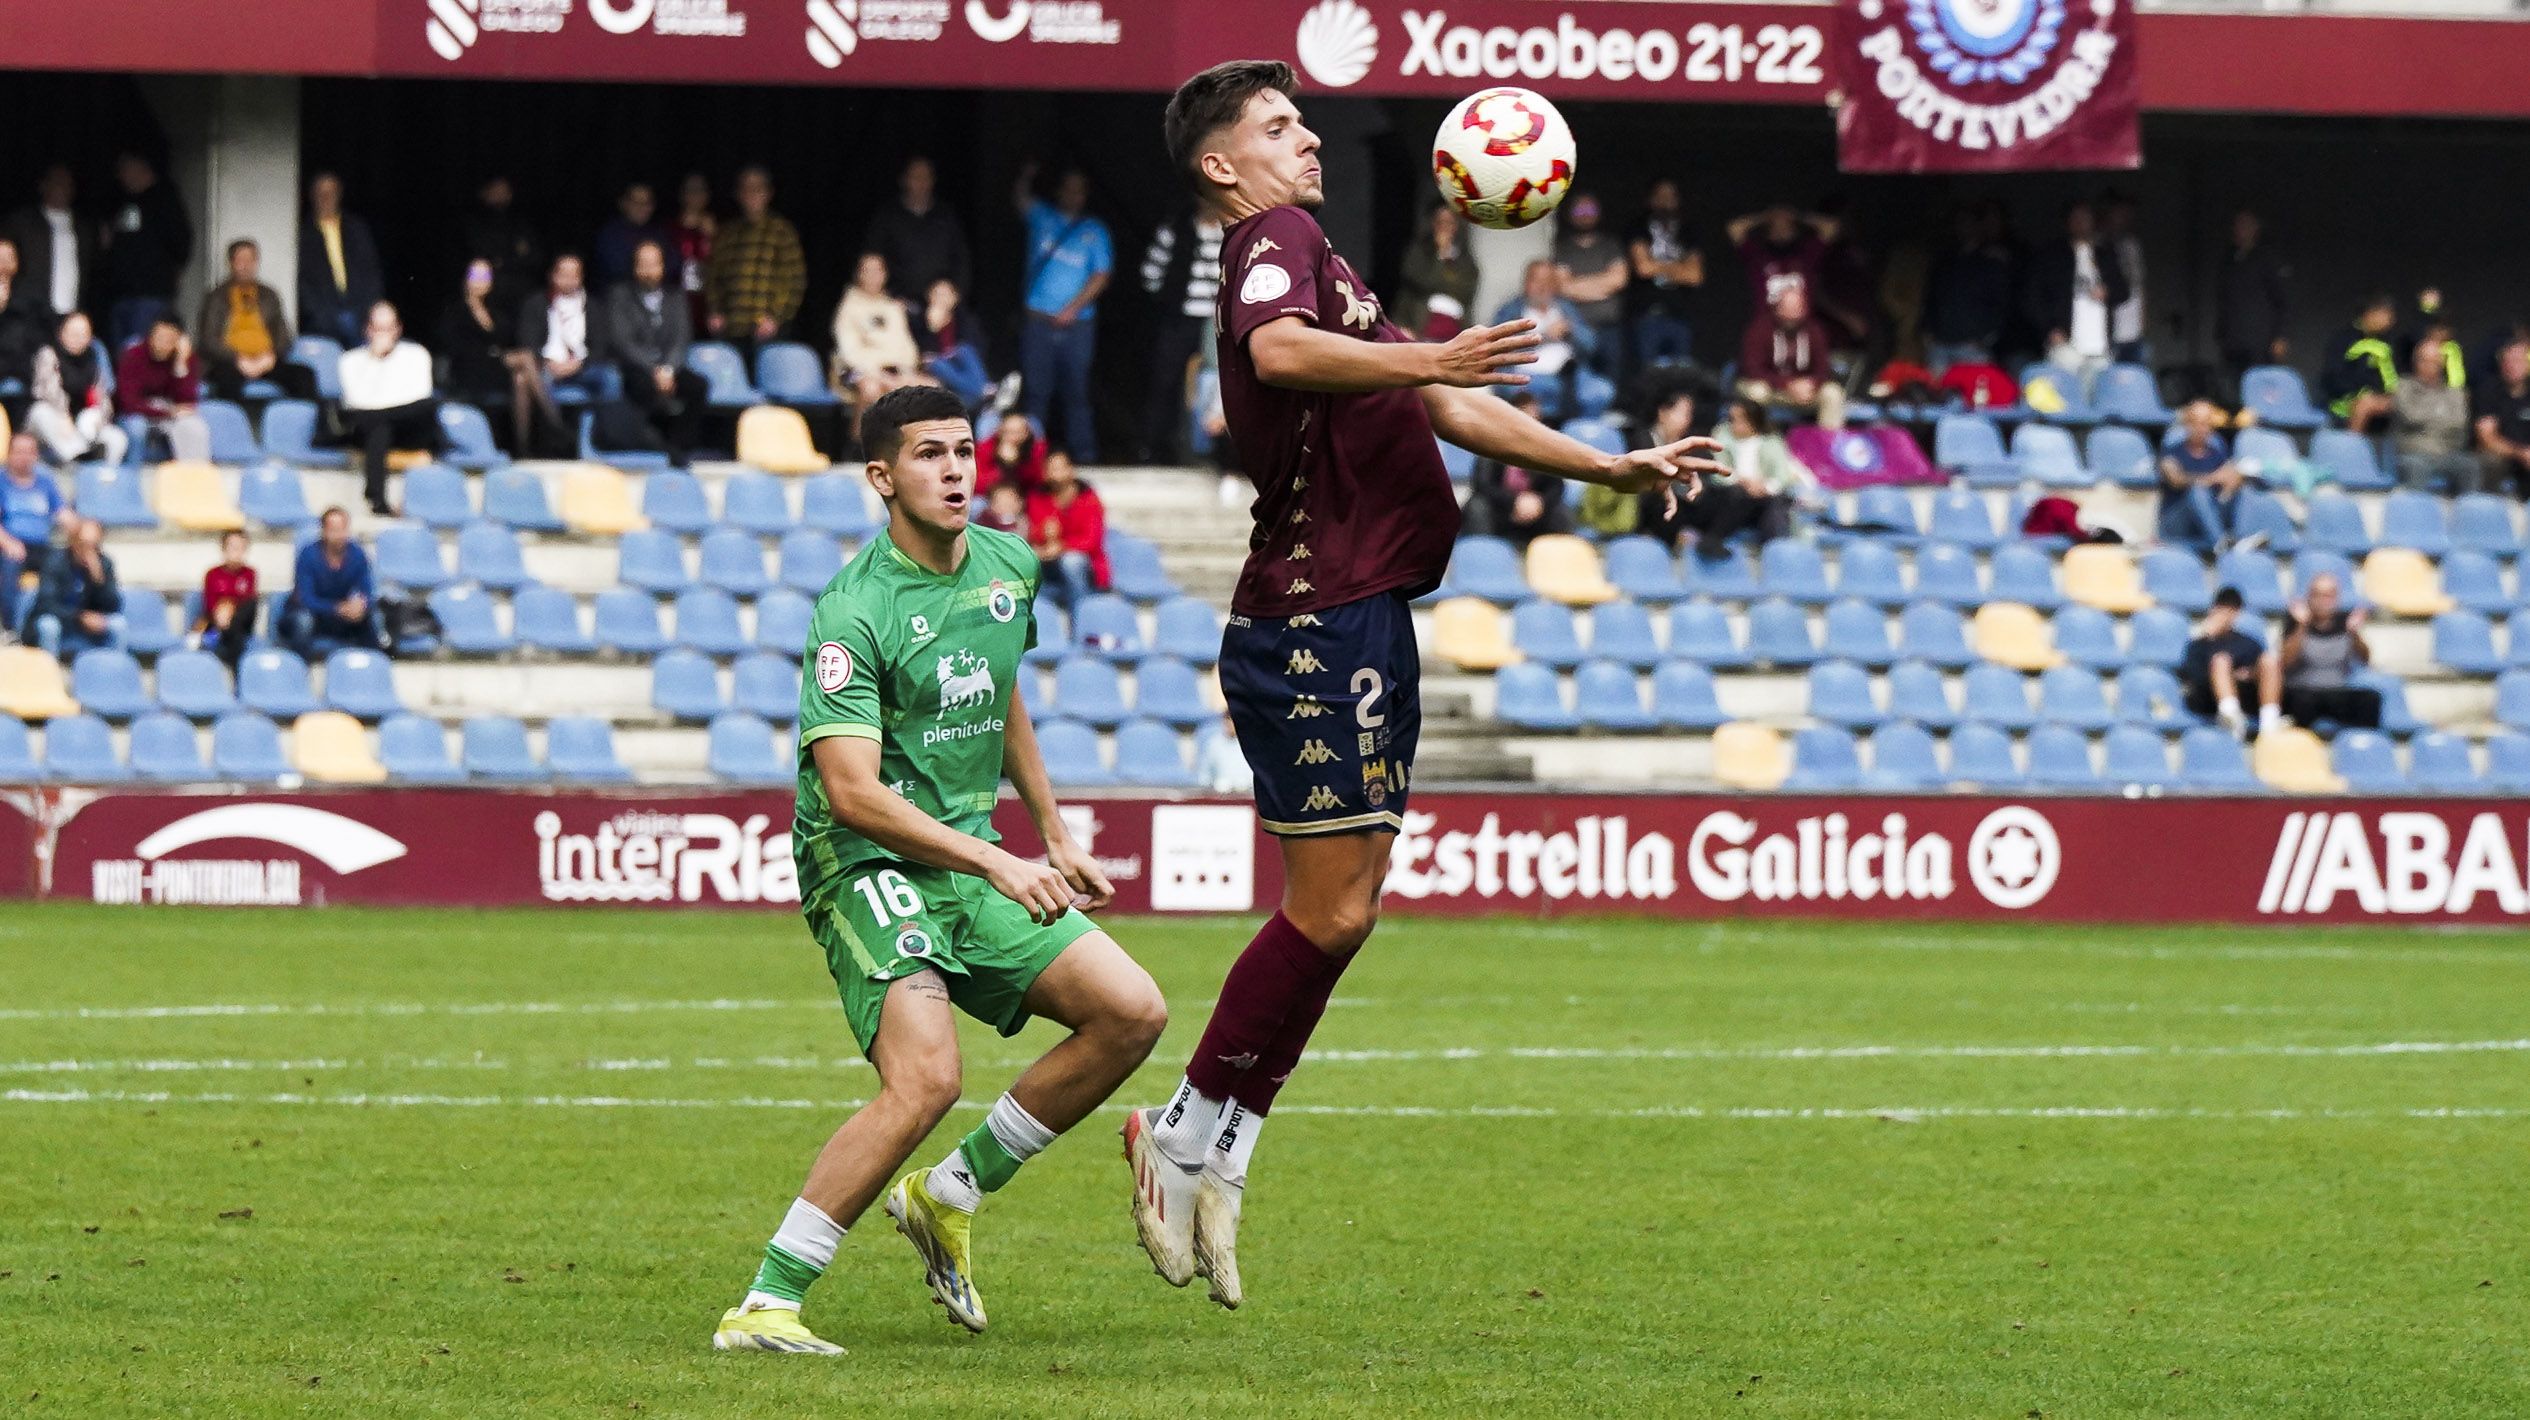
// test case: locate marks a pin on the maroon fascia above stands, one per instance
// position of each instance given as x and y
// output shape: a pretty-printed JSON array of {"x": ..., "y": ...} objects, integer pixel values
[{"x": 2255, "y": 63}]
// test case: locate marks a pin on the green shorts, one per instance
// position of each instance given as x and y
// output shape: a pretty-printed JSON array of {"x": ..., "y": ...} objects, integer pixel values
[{"x": 889, "y": 920}]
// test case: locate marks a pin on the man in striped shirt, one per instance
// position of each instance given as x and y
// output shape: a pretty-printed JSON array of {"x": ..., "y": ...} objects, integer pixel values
[{"x": 1181, "y": 273}]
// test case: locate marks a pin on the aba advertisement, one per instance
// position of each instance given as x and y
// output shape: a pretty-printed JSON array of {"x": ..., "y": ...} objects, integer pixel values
[
  {"x": 1987, "y": 85},
  {"x": 2037, "y": 859}
]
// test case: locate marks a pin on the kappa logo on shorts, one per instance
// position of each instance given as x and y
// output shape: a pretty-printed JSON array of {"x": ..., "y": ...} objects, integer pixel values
[
  {"x": 834, "y": 667},
  {"x": 1321, "y": 799},
  {"x": 1304, "y": 662},
  {"x": 1307, "y": 707},
  {"x": 1299, "y": 516},
  {"x": 1306, "y": 618},
  {"x": 1314, "y": 752}
]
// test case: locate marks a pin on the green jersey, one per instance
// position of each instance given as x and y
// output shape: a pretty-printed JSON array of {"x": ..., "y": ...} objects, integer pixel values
[{"x": 924, "y": 664}]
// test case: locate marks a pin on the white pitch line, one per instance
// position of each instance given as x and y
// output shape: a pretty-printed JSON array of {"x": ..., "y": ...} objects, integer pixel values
[{"x": 418, "y": 1008}]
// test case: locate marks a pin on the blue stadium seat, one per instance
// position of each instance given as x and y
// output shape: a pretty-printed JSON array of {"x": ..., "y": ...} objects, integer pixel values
[
  {"x": 766, "y": 684},
  {"x": 467, "y": 622},
  {"x": 2396, "y": 718},
  {"x": 1621, "y": 631},
  {"x": 838, "y": 503},
  {"x": 468, "y": 435},
  {"x": 719, "y": 363},
  {"x": 1642, "y": 568},
  {"x": 436, "y": 494},
  {"x": 807, "y": 561},
  {"x": 517, "y": 498},
  {"x": 707, "y": 621},
  {"x": 112, "y": 496},
  {"x": 2512, "y": 700},
  {"x": 2483, "y": 522},
  {"x": 2116, "y": 454},
  {"x": 1608, "y": 696},
  {"x": 628, "y": 623},
  {"x": 644, "y": 460},
  {"x": 1791, "y": 567},
  {"x": 1857, "y": 631},
  {"x": 2415, "y": 519},
  {"x": 1054, "y": 633},
  {"x": 1683, "y": 698},
  {"x": 1824, "y": 759},
  {"x": 672, "y": 499},
  {"x": 1134, "y": 568},
  {"x": 1700, "y": 633},
  {"x": 1779, "y": 634},
  {"x": 247, "y": 747},
  {"x": 1867, "y": 568},
  {"x": 685, "y": 684},
  {"x": 2060, "y": 758},
  {"x": 1730, "y": 577},
  {"x": 2475, "y": 581},
  {"x": 415, "y": 751},
  {"x": 1166, "y": 688},
  {"x": 1459, "y": 464},
  {"x": 758, "y": 503},
  {"x": 2254, "y": 572},
  {"x": 1087, "y": 689},
  {"x": 2077, "y": 405},
  {"x": 107, "y": 683},
  {"x": 1071, "y": 754},
  {"x": 1996, "y": 695},
  {"x": 1487, "y": 567},
  {"x": 1188, "y": 629},
  {"x": 2508, "y": 763},
  {"x": 323, "y": 357},
  {"x": 1545, "y": 633},
  {"x": 1981, "y": 757},
  {"x": 2348, "y": 458},
  {"x": 79, "y": 749},
  {"x": 2128, "y": 394},
  {"x": 2049, "y": 454},
  {"x": 407, "y": 555},
  {"x": 1885, "y": 506},
  {"x": 1840, "y": 694},
  {"x": 1918, "y": 693},
  {"x": 2019, "y": 572},
  {"x": 360, "y": 683},
  {"x": 2438, "y": 763},
  {"x": 1904, "y": 760},
  {"x": 782, "y": 620},
  {"x": 1532, "y": 698},
  {"x": 1961, "y": 518},
  {"x": 147, "y": 631},
  {"x": 2465, "y": 642},
  {"x": 2138, "y": 756},
  {"x": 2175, "y": 579},
  {"x": 2265, "y": 453},
  {"x": 2333, "y": 522},
  {"x": 1107, "y": 625},
  {"x": 1930, "y": 631},
  {"x": 2275, "y": 393},
  {"x": 2148, "y": 694},
  {"x": 653, "y": 561},
  {"x": 1149, "y": 753},
  {"x": 2071, "y": 696},
  {"x": 290, "y": 436},
  {"x": 2368, "y": 762},
  {"x": 272, "y": 495},
  {"x": 791, "y": 373},
  {"x": 2086, "y": 637},
  {"x": 2210, "y": 758},
  {"x": 494, "y": 749},
  {"x": 2258, "y": 513},
  {"x": 2157, "y": 636},
  {"x": 164, "y": 748},
  {"x": 488, "y": 553},
  {"x": 545, "y": 619},
  {"x": 733, "y": 562},
  {"x": 1965, "y": 442},
  {"x": 581, "y": 749},
  {"x": 270, "y": 682},
  {"x": 1947, "y": 574}
]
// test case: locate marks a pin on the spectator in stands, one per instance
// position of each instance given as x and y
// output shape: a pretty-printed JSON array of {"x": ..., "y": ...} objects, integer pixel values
[
  {"x": 1762, "y": 465},
  {"x": 486, "y": 366},
  {"x": 2358, "y": 384},
  {"x": 563, "y": 329},
  {"x": 920, "y": 238},
  {"x": 1515, "y": 503},
  {"x": 636, "y": 220},
  {"x": 759, "y": 274},
  {"x": 160, "y": 381},
  {"x": 1070, "y": 258},
  {"x": 1565, "y": 342},
  {"x": 874, "y": 341},
  {"x": 2503, "y": 419},
  {"x": 2200, "y": 485},
  {"x": 1780, "y": 249},
  {"x": 1721, "y": 510},
  {"x": 952, "y": 344},
  {"x": 69, "y": 405},
  {"x": 1783, "y": 360},
  {"x": 227, "y": 621},
  {"x": 2429, "y": 421},
  {"x": 2250, "y": 309},
  {"x": 333, "y": 599},
  {"x": 2224, "y": 661},
  {"x": 494, "y": 231},
  {"x": 1843, "y": 296},
  {"x": 245, "y": 334},
  {"x": 2126, "y": 335},
  {"x": 1968, "y": 297},
  {"x": 647, "y": 329},
  {"x": 31, "y": 507},
  {"x": 1068, "y": 525},
  {"x": 1181, "y": 273},
  {"x": 57, "y": 250},
  {"x": 339, "y": 275},
  {"x": 1005, "y": 509},
  {"x": 1667, "y": 267},
  {"x": 1591, "y": 272},
  {"x": 2323, "y": 647},
  {"x": 1436, "y": 283},
  {"x": 1015, "y": 455},
  {"x": 690, "y": 237},
  {"x": 2074, "y": 285},
  {"x": 26, "y": 321},
  {"x": 79, "y": 606},
  {"x": 388, "y": 401},
  {"x": 143, "y": 247}
]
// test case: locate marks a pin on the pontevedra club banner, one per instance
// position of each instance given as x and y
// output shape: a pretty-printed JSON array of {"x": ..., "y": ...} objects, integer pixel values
[{"x": 1934, "y": 86}]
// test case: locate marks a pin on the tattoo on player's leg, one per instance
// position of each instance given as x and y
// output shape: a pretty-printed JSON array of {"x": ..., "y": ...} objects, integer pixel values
[{"x": 927, "y": 984}]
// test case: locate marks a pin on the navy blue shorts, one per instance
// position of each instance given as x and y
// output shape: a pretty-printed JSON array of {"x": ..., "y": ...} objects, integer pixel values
[{"x": 1328, "y": 706}]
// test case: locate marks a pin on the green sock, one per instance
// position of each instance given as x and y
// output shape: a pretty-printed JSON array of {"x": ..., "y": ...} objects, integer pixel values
[{"x": 796, "y": 1257}]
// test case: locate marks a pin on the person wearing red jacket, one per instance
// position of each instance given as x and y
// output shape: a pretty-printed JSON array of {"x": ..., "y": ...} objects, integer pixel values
[
  {"x": 159, "y": 380},
  {"x": 228, "y": 603},
  {"x": 1014, "y": 455},
  {"x": 1068, "y": 527}
]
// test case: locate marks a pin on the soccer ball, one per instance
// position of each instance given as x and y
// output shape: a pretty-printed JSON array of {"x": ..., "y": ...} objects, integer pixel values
[{"x": 1503, "y": 158}]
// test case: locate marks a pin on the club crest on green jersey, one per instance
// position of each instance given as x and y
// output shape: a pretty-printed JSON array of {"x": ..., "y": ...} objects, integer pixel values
[{"x": 1000, "y": 602}]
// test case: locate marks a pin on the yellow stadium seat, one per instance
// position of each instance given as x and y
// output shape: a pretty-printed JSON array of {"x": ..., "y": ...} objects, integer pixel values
[
  {"x": 330, "y": 747},
  {"x": 32, "y": 686},
  {"x": 1472, "y": 634},
  {"x": 193, "y": 497},
  {"x": 1565, "y": 568},
  {"x": 1750, "y": 756},
  {"x": 597, "y": 500},
  {"x": 2405, "y": 582},
  {"x": 775, "y": 438},
  {"x": 2294, "y": 760},
  {"x": 2010, "y": 634},
  {"x": 2103, "y": 575}
]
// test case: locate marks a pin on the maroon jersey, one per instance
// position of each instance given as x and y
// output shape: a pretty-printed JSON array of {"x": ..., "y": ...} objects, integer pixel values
[{"x": 1351, "y": 498}]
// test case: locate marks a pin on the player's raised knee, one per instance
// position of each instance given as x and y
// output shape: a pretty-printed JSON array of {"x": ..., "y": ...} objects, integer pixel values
[
  {"x": 927, "y": 1086},
  {"x": 1140, "y": 1014}
]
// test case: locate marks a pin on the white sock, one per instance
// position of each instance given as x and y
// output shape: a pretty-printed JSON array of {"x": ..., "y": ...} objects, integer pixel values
[
  {"x": 2269, "y": 717},
  {"x": 807, "y": 1234},
  {"x": 2229, "y": 709},
  {"x": 1018, "y": 1133},
  {"x": 1185, "y": 1127},
  {"x": 1233, "y": 1144}
]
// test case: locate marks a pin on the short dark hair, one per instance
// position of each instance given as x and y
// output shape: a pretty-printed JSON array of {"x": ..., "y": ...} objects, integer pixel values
[
  {"x": 1212, "y": 101},
  {"x": 883, "y": 423},
  {"x": 244, "y": 244},
  {"x": 169, "y": 319},
  {"x": 2230, "y": 597}
]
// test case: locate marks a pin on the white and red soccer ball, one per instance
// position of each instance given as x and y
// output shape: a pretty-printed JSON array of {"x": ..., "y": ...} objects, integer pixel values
[{"x": 1503, "y": 158}]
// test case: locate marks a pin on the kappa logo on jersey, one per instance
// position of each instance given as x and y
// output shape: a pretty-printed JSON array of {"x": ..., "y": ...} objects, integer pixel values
[
  {"x": 966, "y": 681},
  {"x": 1320, "y": 800},
  {"x": 1300, "y": 484},
  {"x": 1001, "y": 603},
  {"x": 834, "y": 667},
  {"x": 1306, "y": 707},
  {"x": 1361, "y": 310},
  {"x": 1304, "y": 662},
  {"x": 1263, "y": 245},
  {"x": 1299, "y": 516},
  {"x": 1265, "y": 282},
  {"x": 1314, "y": 752},
  {"x": 1299, "y": 553},
  {"x": 1298, "y": 586}
]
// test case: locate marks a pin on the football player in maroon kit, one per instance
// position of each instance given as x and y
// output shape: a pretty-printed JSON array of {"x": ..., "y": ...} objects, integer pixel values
[{"x": 1334, "y": 412}]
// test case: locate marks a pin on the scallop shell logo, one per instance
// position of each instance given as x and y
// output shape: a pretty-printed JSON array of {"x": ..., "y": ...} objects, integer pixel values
[{"x": 1338, "y": 41}]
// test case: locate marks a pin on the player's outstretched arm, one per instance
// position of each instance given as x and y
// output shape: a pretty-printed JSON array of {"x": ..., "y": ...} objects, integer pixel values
[
  {"x": 1025, "y": 767},
  {"x": 849, "y": 768},
  {"x": 1495, "y": 429},
  {"x": 1290, "y": 353}
]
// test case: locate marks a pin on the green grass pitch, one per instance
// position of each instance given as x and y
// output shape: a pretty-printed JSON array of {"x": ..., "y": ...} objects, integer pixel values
[{"x": 494, "y": 1164}]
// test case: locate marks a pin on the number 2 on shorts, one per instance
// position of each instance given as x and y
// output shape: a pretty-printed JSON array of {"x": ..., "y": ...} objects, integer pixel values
[
  {"x": 891, "y": 898},
  {"x": 1367, "y": 685}
]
